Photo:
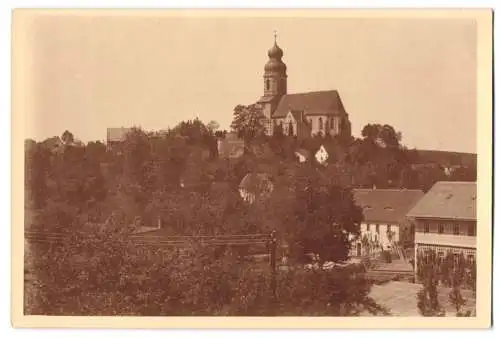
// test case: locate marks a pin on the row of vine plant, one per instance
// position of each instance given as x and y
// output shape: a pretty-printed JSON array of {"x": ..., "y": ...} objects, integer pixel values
[{"x": 451, "y": 270}]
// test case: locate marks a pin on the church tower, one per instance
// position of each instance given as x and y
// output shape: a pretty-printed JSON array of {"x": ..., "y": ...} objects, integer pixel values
[
  {"x": 275, "y": 72},
  {"x": 275, "y": 83}
]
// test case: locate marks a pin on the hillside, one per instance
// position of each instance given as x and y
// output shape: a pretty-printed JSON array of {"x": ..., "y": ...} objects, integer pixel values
[{"x": 446, "y": 157}]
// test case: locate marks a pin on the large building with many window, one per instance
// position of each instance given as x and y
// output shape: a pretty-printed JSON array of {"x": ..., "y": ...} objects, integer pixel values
[
  {"x": 445, "y": 220},
  {"x": 301, "y": 114}
]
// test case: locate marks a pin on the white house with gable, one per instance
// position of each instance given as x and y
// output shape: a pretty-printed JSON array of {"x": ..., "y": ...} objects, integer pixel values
[
  {"x": 321, "y": 155},
  {"x": 302, "y": 155},
  {"x": 385, "y": 225}
]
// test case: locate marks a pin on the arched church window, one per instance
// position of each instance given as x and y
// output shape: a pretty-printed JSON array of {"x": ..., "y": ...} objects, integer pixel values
[
  {"x": 290, "y": 128},
  {"x": 320, "y": 123},
  {"x": 268, "y": 84},
  {"x": 327, "y": 124}
]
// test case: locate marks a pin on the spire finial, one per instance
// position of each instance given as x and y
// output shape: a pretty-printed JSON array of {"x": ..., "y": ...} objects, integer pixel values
[{"x": 275, "y": 35}]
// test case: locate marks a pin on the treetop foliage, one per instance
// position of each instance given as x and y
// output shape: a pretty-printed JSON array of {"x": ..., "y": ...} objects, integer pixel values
[{"x": 175, "y": 179}]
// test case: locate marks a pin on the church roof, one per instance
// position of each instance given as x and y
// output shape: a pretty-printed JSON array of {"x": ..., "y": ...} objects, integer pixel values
[{"x": 326, "y": 102}]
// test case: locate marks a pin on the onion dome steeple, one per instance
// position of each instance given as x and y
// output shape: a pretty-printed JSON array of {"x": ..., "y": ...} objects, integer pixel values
[
  {"x": 275, "y": 72},
  {"x": 275, "y": 53}
]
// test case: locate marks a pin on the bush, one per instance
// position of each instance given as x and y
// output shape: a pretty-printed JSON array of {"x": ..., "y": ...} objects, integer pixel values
[{"x": 99, "y": 272}]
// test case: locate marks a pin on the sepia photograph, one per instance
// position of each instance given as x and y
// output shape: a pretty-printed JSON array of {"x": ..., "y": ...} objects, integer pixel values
[{"x": 319, "y": 168}]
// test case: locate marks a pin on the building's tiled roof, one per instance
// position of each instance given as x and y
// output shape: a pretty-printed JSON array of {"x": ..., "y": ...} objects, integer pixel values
[
  {"x": 386, "y": 205},
  {"x": 447, "y": 200},
  {"x": 266, "y": 99},
  {"x": 303, "y": 152},
  {"x": 117, "y": 134},
  {"x": 312, "y": 103}
]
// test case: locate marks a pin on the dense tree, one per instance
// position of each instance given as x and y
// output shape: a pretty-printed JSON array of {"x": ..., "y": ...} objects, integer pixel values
[
  {"x": 387, "y": 163},
  {"x": 311, "y": 213},
  {"x": 67, "y": 138},
  {"x": 325, "y": 216},
  {"x": 195, "y": 132},
  {"x": 466, "y": 173},
  {"x": 384, "y": 135},
  {"x": 213, "y": 126},
  {"x": 29, "y": 144},
  {"x": 37, "y": 167},
  {"x": 248, "y": 121}
]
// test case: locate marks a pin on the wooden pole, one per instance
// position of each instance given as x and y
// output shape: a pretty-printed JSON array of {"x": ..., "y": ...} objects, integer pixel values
[
  {"x": 415, "y": 264},
  {"x": 273, "y": 265}
]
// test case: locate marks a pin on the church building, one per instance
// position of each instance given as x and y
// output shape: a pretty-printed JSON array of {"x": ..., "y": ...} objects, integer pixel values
[{"x": 301, "y": 114}]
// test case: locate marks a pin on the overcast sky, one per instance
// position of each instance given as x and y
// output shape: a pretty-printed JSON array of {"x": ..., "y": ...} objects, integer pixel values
[{"x": 90, "y": 73}]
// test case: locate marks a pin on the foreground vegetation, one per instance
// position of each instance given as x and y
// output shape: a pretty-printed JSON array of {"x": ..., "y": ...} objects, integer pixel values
[
  {"x": 98, "y": 196},
  {"x": 104, "y": 274}
]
